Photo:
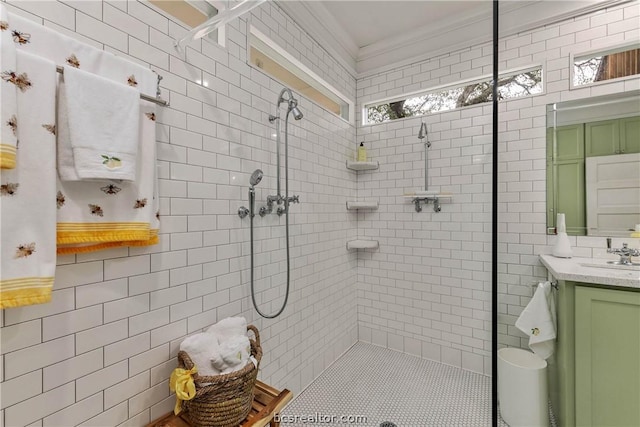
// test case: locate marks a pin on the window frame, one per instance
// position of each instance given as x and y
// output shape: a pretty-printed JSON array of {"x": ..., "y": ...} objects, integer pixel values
[
  {"x": 455, "y": 85},
  {"x": 306, "y": 71},
  {"x": 603, "y": 50}
]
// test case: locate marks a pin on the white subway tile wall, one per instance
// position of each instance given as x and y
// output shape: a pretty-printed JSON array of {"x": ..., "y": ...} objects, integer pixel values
[
  {"x": 429, "y": 284},
  {"x": 102, "y": 351}
]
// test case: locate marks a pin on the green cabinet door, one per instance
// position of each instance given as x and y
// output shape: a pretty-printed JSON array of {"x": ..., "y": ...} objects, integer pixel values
[
  {"x": 602, "y": 138},
  {"x": 630, "y": 135},
  {"x": 607, "y": 357},
  {"x": 570, "y": 198},
  {"x": 565, "y": 179}
]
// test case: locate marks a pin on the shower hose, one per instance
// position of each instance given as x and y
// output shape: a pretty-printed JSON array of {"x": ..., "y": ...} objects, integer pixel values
[{"x": 286, "y": 215}]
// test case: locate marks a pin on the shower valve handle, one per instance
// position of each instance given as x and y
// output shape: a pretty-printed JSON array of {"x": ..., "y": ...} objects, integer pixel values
[{"x": 294, "y": 199}]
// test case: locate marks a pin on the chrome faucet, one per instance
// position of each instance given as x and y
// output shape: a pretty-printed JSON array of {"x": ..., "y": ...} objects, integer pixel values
[{"x": 625, "y": 253}]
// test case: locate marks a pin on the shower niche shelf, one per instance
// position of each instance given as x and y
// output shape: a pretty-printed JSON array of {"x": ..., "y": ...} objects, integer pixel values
[
  {"x": 362, "y": 166},
  {"x": 362, "y": 244},
  {"x": 371, "y": 205}
]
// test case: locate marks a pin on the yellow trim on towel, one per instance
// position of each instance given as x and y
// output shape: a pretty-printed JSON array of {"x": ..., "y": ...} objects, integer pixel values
[
  {"x": 7, "y": 156},
  {"x": 25, "y": 291},
  {"x": 151, "y": 239},
  {"x": 70, "y": 233}
]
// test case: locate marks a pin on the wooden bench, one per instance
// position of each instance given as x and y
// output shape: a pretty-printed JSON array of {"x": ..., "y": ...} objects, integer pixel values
[{"x": 267, "y": 402}]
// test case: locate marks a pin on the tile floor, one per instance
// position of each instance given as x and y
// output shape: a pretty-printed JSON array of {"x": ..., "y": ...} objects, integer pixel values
[{"x": 383, "y": 385}]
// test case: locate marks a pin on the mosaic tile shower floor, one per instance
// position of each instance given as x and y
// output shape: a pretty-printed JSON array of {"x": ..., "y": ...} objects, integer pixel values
[{"x": 382, "y": 385}]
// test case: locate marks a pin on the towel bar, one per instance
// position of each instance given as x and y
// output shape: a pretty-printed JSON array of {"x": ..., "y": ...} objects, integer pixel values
[
  {"x": 554, "y": 284},
  {"x": 155, "y": 99}
]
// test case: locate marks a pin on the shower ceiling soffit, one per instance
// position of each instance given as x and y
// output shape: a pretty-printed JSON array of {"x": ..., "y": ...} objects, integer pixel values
[{"x": 400, "y": 39}]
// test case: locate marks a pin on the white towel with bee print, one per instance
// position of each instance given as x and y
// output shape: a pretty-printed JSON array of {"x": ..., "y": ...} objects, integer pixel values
[
  {"x": 96, "y": 215},
  {"x": 28, "y": 193},
  {"x": 8, "y": 92}
]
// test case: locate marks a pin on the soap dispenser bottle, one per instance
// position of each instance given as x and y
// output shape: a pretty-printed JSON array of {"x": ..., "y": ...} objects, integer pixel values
[
  {"x": 362, "y": 152},
  {"x": 562, "y": 248}
]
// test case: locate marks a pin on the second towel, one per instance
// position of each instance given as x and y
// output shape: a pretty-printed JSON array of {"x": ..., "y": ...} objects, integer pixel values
[{"x": 98, "y": 133}]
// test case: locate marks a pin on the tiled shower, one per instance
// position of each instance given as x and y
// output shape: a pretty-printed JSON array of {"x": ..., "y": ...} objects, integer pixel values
[{"x": 101, "y": 352}]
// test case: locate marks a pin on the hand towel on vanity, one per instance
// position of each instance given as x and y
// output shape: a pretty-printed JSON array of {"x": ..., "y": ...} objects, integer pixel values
[
  {"x": 28, "y": 193},
  {"x": 8, "y": 91},
  {"x": 94, "y": 215},
  {"x": 538, "y": 321},
  {"x": 98, "y": 127}
]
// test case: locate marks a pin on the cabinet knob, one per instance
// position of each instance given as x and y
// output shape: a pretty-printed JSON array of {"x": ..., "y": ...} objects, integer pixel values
[{"x": 622, "y": 151}]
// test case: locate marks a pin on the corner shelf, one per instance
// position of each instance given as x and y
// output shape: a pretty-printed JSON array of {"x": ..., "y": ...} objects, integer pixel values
[
  {"x": 363, "y": 244},
  {"x": 371, "y": 205},
  {"x": 362, "y": 166}
]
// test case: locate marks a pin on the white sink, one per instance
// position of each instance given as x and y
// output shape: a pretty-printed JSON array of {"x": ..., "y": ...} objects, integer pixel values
[{"x": 610, "y": 264}]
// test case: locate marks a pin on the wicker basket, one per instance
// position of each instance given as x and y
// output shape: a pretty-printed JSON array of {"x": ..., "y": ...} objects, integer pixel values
[{"x": 222, "y": 400}]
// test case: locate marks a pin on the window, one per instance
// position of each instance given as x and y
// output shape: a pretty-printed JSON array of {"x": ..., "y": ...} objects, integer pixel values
[
  {"x": 279, "y": 64},
  {"x": 190, "y": 12},
  {"x": 510, "y": 85},
  {"x": 606, "y": 65}
]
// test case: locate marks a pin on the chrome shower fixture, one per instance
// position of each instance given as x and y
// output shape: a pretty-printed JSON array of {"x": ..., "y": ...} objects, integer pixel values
[
  {"x": 422, "y": 133},
  {"x": 256, "y": 177}
]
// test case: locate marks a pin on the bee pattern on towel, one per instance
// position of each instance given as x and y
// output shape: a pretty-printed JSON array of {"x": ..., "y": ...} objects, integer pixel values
[
  {"x": 535, "y": 331},
  {"x": 131, "y": 81},
  {"x": 13, "y": 124},
  {"x": 9, "y": 189},
  {"x": 158, "y": 215},
  {"x": 25, "y": 250},
  {"x": 60, "y": 199},
  {"x": 110, "y": 189},
  {"x": 4, "y": 25},
  {"x": 96, "y": 210},
  {"x": 20, "y": 80},
  {"x": 140, "y": 203},
  {"x": 151, "y": 116},
  {"x": 50, "y": 128},
  {"x": 73, "y": 61},
  {"x": 21, "y": 38}
]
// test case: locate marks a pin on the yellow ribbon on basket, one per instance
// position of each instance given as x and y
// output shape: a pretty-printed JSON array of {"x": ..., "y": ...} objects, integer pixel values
[{"x": 181, "y": 382}]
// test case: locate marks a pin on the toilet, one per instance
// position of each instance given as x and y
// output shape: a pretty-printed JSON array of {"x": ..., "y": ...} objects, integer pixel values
[{"x": 522, "y": 388}]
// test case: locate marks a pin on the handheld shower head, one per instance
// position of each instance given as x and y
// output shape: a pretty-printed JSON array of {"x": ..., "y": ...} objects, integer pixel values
[{"x": 256, "y": 177}]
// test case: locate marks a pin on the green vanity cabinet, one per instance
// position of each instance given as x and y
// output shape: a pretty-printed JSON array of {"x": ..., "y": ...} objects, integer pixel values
[
  {"x": 607, "y": 357},
  {"x": 619, "y": 136},
  {"x": 594, "y": 374}
]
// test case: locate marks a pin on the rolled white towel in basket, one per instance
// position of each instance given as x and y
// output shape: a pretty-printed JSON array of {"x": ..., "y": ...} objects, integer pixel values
[
  {"x": 228, "y": 328},
  {"x": 200, "y": 348},
  {"x": 233, "y": 354}
]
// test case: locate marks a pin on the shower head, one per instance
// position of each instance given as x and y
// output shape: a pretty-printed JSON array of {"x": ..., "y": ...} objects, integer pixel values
[
  {"x": 291, "y": 101},
  {"x": 256, "y": 177},
  {"x": 422, "y": 134},
  {"x": 297, "y": 114}
]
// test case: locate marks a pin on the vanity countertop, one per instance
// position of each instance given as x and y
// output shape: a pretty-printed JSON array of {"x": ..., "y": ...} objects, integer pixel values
[{"x": 581, "y": 270}]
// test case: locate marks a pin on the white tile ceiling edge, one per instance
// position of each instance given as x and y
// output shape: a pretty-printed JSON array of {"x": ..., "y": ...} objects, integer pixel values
[{"x": 431, "y": 41}]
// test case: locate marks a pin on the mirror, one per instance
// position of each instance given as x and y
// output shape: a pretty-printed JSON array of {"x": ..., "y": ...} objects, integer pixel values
[{"x": 593, "y": 164}]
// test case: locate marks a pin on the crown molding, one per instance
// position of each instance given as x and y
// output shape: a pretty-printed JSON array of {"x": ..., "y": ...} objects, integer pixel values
[
  {"x": 318, "y": 23},
  {"x": 465, "y": 31}
]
